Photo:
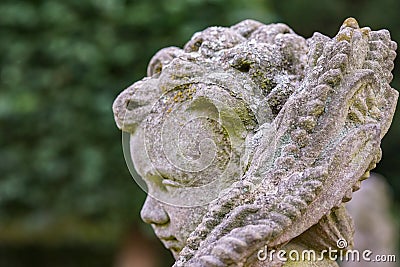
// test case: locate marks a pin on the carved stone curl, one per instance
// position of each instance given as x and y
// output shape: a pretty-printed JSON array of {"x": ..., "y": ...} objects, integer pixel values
[{"x": 252, "y": 136}]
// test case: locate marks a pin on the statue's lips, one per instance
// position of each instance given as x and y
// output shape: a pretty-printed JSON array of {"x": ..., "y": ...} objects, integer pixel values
[{"x": 170, "y": 242}]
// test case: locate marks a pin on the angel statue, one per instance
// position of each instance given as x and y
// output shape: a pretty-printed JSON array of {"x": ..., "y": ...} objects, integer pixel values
[{"x": 249, "y": 140}]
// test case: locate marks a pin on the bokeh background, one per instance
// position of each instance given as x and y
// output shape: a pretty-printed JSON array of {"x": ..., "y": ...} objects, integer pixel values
[{"x": 66, "y": 196}]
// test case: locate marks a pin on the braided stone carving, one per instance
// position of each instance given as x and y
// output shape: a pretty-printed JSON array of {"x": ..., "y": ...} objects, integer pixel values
[{"x": 253, "y": 136}]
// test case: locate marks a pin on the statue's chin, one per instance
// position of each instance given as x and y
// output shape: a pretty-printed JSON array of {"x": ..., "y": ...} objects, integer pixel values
[
  {"x": 175, "y": 253},
  {"x": 173, "y": 245}
]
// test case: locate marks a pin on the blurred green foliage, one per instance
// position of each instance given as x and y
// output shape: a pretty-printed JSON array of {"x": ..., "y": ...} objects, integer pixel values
[{"x": 63, "y": 176}]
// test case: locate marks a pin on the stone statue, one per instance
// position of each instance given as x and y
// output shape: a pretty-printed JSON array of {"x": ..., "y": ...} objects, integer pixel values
[{"x": 252, "y": 137}]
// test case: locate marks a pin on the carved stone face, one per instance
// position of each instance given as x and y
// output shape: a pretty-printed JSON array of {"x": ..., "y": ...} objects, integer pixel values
[
  {"x": 172, "y": 224},
  {"x": 187, "y": 156}
]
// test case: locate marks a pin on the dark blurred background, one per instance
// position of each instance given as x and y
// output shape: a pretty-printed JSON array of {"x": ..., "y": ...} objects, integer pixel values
[{"x": 66, "y": 196}]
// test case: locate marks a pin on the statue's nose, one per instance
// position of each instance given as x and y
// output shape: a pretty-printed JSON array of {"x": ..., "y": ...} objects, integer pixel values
[{"x": 153, "y": 212}]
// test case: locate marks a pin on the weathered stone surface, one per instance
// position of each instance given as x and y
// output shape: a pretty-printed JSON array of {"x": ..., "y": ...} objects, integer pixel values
[{"x": 252, "y": 136}]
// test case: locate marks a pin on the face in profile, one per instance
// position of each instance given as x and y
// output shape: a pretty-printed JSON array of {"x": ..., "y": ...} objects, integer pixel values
[{"x": 186, "y": 155}]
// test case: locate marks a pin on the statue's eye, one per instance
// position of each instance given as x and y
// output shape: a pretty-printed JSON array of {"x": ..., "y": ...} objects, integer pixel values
[{"x": 171, "y": 183}]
